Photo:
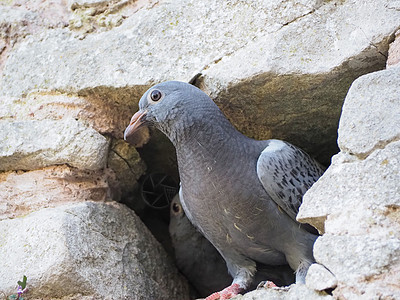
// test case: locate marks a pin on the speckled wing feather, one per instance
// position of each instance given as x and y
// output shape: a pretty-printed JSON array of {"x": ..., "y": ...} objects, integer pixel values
[{"x": 286, "y": 172}]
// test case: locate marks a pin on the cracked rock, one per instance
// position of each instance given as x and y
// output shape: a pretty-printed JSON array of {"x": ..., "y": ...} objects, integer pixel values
[
  {"x": 101, "y": 250},
  {"x": 356, "y": 202},
  {"x": 261, "y": 61},
  {"x": 127, "y": 165}
]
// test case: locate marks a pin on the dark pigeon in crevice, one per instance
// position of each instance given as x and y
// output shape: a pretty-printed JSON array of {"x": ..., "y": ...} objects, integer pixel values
[{"x": 243, "y": 195}]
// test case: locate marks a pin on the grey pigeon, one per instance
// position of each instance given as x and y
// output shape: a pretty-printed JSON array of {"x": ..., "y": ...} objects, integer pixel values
[
  {"x": 242, "y": 194},
  {"x": 201, "y": 263},
  {"x": 195, "y": 257}
]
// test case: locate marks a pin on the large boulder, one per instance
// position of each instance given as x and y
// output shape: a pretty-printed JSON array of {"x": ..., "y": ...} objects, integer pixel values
[
  {"x": 92, "y": 249},
  {"x": 290, "y": 83},
  {"x": 156, "y": 43},
  {"x": 275, "y": 68},
  {"x": 356, "y": 202}
]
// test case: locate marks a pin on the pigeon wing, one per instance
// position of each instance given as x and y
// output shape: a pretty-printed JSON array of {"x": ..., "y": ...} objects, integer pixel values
[{"x": 286, "y": 173}]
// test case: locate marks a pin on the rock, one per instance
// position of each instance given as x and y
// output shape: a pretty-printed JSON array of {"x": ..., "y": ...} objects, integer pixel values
[
  {"x": 127, "y": 165},
  {"x": 90, "y": 16},
  {"x": 369, "y": 122},
  {"x": 293, "y": 292},
  {"x": 355, "y": 203},
  {"x": 282, "y": 84},
  {"x": 105, "y": 115},
  {"x": 360, "y": 131},
  {"x": 37, "y": 14},
  {"x": 21, "y": 18},
  {"x": 374, "y": 180},
  {"x": 28, "y": 145},
  {"x": 274, "y": 58},
  {"x": 394, "y": 51},
  {"x": 24, "y": 192},
  {"x": 319, "y": 278},
  {"x": 368, "y": 270},
  {"x": 94, "y": 249},
  {"x": 66, "y": 63},
  {"x": 89, "y": 112}
]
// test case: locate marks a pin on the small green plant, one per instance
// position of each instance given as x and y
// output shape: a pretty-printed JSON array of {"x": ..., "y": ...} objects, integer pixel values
[{"x": 20, "y": 290}]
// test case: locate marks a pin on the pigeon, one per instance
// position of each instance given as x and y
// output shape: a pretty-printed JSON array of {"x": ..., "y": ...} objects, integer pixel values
[
  {"x": 195, "y": 256},
  {"x": 201, "y": 263},
  {"x": 242, "y": 194}
]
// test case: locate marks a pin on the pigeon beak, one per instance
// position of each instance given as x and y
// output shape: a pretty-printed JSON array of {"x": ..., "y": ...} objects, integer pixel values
[{"x": 136, "y": 123}]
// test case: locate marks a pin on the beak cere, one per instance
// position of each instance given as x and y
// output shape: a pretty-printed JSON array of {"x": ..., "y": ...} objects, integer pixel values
[{"x": 135, "y": 124}]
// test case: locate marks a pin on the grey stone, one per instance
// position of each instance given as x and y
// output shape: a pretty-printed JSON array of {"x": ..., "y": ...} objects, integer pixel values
[
  {"x": 28, "y": 145},
  {"x": 293, "y": 292},
  {"x": 394, "y": 51},
  {"x": 284, "y": 83},
  {"x": 56, "y": 60},
  {"x": 319, "y": 278},
  {"x": 356, "y": 203},
  {"x": 360, "y": 131},
  {"x": 370, "y": 121},
  {"x": 127, "y": 165},
  {"x": 268, "y": 74},
  {"x": 18, "y": 20},
  {"x": 93, "y": 249}
]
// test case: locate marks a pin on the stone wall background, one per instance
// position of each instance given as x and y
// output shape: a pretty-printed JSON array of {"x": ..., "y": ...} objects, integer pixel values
[{"x": 72, "y": 73}]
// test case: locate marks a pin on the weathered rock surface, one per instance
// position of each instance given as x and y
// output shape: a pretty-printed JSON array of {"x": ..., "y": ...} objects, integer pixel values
[
  {"x": 319, "y": 278},
  {"x": 284, "y": 83},
  {"x": 294, "y": 292},
  {"x": 360, "y": 131},
  {"x": 24, "y": 192},
  {"x": 105, "y": 115},
  {"x": 365, "y": 138},
  {"x": 28, "y": 145},
  {"x": 22, "y": 18},
  {"x": 356, "y": 202},
  {"x": 394, "y": 51},
  {"x": 272, "y": 58},
  {"x": 90, "y": 16},
  {"x": 142, "y": 44},
  {"x": 128, "y": 166},
  {"x": 97, "y": 249}
]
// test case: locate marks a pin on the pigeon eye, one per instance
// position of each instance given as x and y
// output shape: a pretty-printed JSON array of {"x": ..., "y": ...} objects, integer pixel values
[
  {"x": 156, "y": 95},
  {"x": 176, "y": 207}
]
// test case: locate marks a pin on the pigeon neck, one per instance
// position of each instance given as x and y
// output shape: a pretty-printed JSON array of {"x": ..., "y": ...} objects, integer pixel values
[{"x": 207, "y": 137}]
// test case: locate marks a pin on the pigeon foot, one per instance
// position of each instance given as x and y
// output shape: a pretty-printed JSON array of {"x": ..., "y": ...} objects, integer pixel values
[
  {"x": 226, "y": 293},
  {"x": 266, "y": 284}
]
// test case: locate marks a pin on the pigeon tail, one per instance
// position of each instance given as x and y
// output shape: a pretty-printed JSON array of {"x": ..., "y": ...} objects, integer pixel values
[{"x": 301, "y": 271}]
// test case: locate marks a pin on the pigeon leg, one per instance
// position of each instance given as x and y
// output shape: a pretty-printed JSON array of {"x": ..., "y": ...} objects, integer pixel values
[{"x": 226, "y": 293}]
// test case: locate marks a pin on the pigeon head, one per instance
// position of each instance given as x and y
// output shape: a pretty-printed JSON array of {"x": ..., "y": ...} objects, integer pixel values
[{"x": 173, "y": 107}]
